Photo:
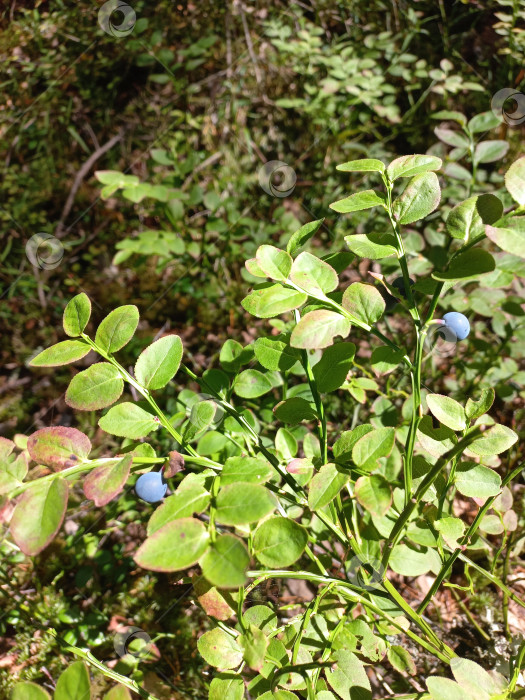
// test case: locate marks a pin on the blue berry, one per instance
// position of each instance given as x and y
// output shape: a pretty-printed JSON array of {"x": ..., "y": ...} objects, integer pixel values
[
  {"x": 151, "y": 487},
  {"x": 458, "y": 324}
]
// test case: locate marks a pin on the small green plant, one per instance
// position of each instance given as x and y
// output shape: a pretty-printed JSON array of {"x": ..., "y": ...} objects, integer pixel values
[{"x": 266, "y": 484}]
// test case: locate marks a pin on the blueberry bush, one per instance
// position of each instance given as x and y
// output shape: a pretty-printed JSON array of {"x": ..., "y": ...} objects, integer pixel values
[{"x": 264, "y": 472}]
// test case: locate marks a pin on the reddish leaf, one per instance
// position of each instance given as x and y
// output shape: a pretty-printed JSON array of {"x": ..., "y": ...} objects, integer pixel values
[
  {"x": 106, "y": 481},
  {"x": 38, "y": 515},
  {"x": 175, "y": 464},
  {"x": 58, "y": 447}
]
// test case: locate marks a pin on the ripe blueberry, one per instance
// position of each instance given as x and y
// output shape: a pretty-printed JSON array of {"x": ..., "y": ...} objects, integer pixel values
[
  {"x": 151, "y": 487},
  {"x": 457, "y": 323},
  {"x": 391, "y": 301}
]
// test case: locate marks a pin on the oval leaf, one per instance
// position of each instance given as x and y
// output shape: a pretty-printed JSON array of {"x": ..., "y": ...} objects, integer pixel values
[
  {"x": 128, "y": 420},
  {"x": 76, "y": 315},
  {"x": 419, "y": 199},
  {"x": 317, "y": 329},
  {"x": 225, "y": 562},
  {"x": 61, "y": 354},
  {"x": 243, "y": 503},
  {"x": 74, "y": 683},
  {"x": 159, "y": 362},
  {"x": 174, "y": 546},
  {"x": 58, "y": 447},
  {"x": 96, "y": 387},
  {"x": 38, "y": 515},
  {"x": 279, "y": 542},
  {"x": 117, "y": 329},
  {"x": 105, "y": 482}
]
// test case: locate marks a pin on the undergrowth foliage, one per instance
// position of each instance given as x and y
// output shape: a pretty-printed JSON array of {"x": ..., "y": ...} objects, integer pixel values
[{"x": 261, "y": 485}]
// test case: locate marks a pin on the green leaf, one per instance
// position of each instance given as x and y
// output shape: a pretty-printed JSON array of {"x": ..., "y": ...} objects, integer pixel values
[
  {"x": 450, "y": 529},
  {"x": 61, "y": 354},
  {"x": 201, "y": 417},
  {"x": 274, "y": 354},
  {"x": 408, "y": 166},
  {"x": 117, "y": 329},
  {"x": 331, "y": 370},
  {"x": 452, "y": 138},
  {"x": 74, "y": 683},
  {"x": 118, "y": 692},
  {"x": 251, "y": 383},
  {"x": 58, "y": 447},
  {"x": 364, "y": 302},
  {"x": 29, "y": 691},
  {"x": 359, "y": 201},
  {"x": 225, "y": 561},
  {"x": 343, "y": 446},
  {"x": 219, "y": 649},
  {"x": 254, "y": 644},
  {"x": 475, "y": 409},
  {"x": 511, "y": 240},
  {"x": 243, "y": 503},
  {"x": 159, "y": 362},
  {"x": 303, "y": 235},
  {"x": 419, "y": 199},
  {"x": 409, "y": 562},
  {"x": 272, "y": 301},
  {"x": 401, "y": 660},
  {"x": 173, "y": 547},
  {"x": 475, "y": 679},
  {"x": 374, "y": 494},
  {"x": 446, "y": 689},
  {"x": 325, "y": 485},
  {"x": 275, "y": 263},
  {"x": 96, "y": 387},
  {"x": 226, "y": 687},
  {"x": 317, "y": 329},
  {"x": 233, "y": 355},
  {"x": 185, "y": 502},
  {"x": 515, "y": 181},
  {"x": 495, "y": 440},
  {"x": 371, "y": 245},
  {"x": 436, "y": 441},
  {"x": 128, "y": 420},
  {"x": 294, "y": 410},
  {"x": 385, "y": 359},
  {"x": 76, "y": 315},
  {"x": 364, "y": 165},
  {"x": 467, "y": 265},
  {"x": 316, "y": 277},
  {"x": 262, "y": 617},
  {"x": 347, "y": 677},
  {"x": 490, "y": 151},
  {"x": 467, "y": 220},
  {"x": 447, "y": 411},
  {"x": 13, "y": 468},
  {"x": 251, "y": 470},
  {"x": 279, "y": 542},
  {"x": 375, "y": 444},
  {"x": 483, "y": 122},
  {"x": 38, "y": 515},
  {"x": 116, "y": 178},
  {"x": 103, "y": 483}
]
